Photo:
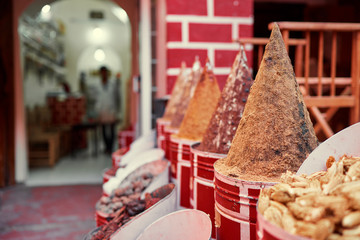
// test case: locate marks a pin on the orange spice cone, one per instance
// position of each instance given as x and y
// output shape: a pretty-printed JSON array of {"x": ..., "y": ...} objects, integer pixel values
[
  {"x": 176, "y": 93},
  {"x": 275, "y": 133},
  {"x": 201, "y": 106},
  {"x": 187, "y": 93},
  {"x": 226, "y": 118}
]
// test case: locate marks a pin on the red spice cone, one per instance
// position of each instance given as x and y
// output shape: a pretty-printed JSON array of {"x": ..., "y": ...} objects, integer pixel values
[{"x": 226, "y": 118}]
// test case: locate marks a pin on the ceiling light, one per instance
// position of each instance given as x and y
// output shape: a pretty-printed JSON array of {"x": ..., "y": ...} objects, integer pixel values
[{"x": 99, "y": 55}]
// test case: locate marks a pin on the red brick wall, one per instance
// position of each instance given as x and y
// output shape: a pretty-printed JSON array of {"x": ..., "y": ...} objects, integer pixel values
[{"x": 206, "y": 28}]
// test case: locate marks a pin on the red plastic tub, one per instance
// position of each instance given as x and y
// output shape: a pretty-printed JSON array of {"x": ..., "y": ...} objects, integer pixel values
[
  {"x": 160, "y": 130},
  {"x": 180, "y": 158},
  {"x": 235, "y": 207},
  {"x": 202, "y": 174},
  {"x": 117, "y": 155},
  {"x": 168, "y": 131}
]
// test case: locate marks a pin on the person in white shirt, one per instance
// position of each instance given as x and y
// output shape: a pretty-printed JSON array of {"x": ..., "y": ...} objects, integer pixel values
[{"x": 106, "y": 108}]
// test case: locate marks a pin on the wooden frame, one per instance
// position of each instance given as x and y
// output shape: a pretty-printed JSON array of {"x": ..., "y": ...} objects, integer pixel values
[{"x": 341, "y": 92}]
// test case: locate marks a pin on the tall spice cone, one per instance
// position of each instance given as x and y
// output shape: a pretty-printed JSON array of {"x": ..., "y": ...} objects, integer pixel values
[
  {"x": 275, "y": 133},
  {"x": 176, "y": 93},
  {"x": 187, "y": 94},
  {"x": 226, "y": 118},
  {"x": 201, "y": 106}
]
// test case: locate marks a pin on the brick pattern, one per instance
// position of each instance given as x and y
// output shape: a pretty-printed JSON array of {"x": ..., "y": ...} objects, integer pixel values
[{"x": 206, "y": 28}]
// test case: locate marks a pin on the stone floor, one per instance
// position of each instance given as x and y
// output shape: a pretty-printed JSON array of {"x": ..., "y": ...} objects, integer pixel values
[{"x": 51, "y": 212}]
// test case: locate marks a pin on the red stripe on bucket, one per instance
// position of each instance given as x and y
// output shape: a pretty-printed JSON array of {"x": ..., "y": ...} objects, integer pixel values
[
  {"x": 160, "y": 130},
  {"x": 167, "y": 134},
  {"x": 180, "y": 156},
  {"x": 236, "y": 201},
  {"x": 202, "y": 172}
]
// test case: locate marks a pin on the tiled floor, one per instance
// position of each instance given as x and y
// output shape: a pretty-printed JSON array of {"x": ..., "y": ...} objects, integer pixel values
[
  {"x": 53, "y": 212},
  {"x": 82, "y": 169}
]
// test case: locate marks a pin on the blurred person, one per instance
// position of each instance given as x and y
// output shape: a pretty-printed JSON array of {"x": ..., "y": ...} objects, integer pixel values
[{"x": 106, "y": 108}]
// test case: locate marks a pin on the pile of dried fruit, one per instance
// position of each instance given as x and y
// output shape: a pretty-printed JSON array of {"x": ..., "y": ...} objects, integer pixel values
[
  {"x": 129, "y": 210},
  {"x": 123, "y": 196},
  {"x": 324, "y": 205}
]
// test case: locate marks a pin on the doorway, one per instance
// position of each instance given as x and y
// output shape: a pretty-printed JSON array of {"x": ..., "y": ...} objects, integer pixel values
[{"x": 53, "y": 66}]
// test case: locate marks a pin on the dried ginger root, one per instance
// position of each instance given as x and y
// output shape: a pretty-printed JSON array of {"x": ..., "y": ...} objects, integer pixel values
[{"x": 323, "y": 205}]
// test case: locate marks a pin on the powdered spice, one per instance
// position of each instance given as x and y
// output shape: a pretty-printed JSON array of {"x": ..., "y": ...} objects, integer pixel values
[
  {"x": 187, "y": 94},
  {"x": 201, "y": 106},
  {"x": 275, "y": 133},
  {"x": 176, "y": 93},
  {"x": 224, "y": 122}
]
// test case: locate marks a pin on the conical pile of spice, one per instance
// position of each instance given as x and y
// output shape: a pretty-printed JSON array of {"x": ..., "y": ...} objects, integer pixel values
[
  {"x": 275, "y": 133},
  {"x": 201, "y": 106},
  {"x": 187, "y": 93},
  {"x": 176, "y": 93},
  {"x": 224, "y": 122}
]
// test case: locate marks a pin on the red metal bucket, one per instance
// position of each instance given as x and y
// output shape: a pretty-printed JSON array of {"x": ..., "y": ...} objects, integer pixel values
[
  {"x": 202, "y": 173},
  {"x": 160, "y": 130},
  {"x": 117, "y": 155},
  {"x": 185, "y": 224},
  {"x": 235, "y": 207},
  {"x": 167, "y": 133},
  {"x": 180, "y": 157}
]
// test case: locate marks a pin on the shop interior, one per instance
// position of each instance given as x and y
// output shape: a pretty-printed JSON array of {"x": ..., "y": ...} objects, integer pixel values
[{"x": 78, "y": 60}]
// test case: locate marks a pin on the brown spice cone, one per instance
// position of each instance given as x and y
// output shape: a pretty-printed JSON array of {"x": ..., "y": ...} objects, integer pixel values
[
  {"x": 275, "y": 133},
  {"x": 187, "y": 93},
  {"x": 176, "y": 93},
  {"x": 226, "y": 118},
  {"x": 201, "y": 106}
]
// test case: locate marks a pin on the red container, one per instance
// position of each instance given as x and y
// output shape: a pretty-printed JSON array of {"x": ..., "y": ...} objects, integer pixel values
[
  {"x": 168, "y": 131},
  {"x": 117, "y": 155},
  {"x": 202, "y": 174},
  {"x": 126, "y": 137},
  {"x": 180, "y": 158},
  {"x": 235, "y": 207},
  {"x": 160, "y": 131},
  {"x": 106, "y": 175}
]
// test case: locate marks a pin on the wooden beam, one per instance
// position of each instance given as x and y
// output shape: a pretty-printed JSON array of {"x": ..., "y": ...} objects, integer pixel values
[
  {"x": 317, "y": 26},
  {"x": 329, "y": 101},
  {"x": 324, "y": 125},
  {"x": 341, "y": 81}
]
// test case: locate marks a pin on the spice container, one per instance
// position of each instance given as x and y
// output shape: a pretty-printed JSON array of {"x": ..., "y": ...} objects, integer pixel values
[
  {"x": 333, "y": 193},
  {"x": 143, "y": 180},
  {"x": 184, "y": 224},
  {"x": 117, "y": 155},
  {"x": 192, "y": 129},
  {"x": 160, "y": 130},
  {"x": 123, "y": 172},
  {"x": 126, "y": 137},
  {"x": 218, "y": 135},
  {"x": 275, "y": 134},
  {"x": 129, "y": 224}
]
